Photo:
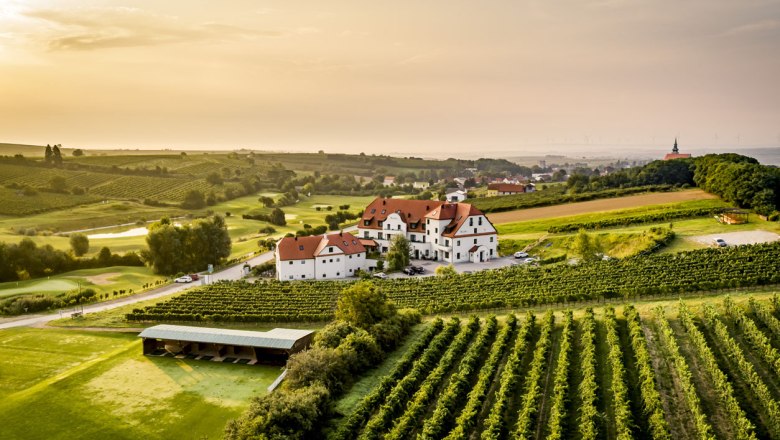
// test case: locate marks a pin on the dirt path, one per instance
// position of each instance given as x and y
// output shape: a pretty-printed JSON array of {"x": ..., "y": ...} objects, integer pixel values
[{"x": 598, "y": 206}]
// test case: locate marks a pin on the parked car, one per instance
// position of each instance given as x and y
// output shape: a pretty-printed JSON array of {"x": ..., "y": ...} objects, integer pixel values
[
  {"x": 381, "y": 275},
  {"x": 409, "y": 270},
  {"x": 184, "y": 279},
  {"x": 720, "y": 242},
  {"x": 521, "y": 255},
  {"x": 194, "y": 276},
  {"x": 418, "y": 269},
  {"x": 529, "y": 260}
]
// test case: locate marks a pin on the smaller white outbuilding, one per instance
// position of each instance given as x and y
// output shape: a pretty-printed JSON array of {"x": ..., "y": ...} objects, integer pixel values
[{"x": 319, "y": 257}]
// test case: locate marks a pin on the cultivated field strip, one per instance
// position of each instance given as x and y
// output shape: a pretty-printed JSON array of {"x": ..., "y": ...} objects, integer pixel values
[
  {"x": 509, "y": 379},
  {"x": 276, "y": 301}
]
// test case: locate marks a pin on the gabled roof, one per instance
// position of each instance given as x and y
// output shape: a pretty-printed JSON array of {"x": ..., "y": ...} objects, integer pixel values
[
  {"x": 298, "y": 248},
  {"x": 347, "y": 244},
  {"x": 411, "y": 211},
  {"x": 306, "y": 248},
  {"x": 506, "y": 187},
  {"x": 462, "y": 212},
  {"x": 277, "y": 338}
]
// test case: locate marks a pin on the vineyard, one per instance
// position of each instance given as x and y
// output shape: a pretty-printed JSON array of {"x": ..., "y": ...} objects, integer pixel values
[
  {"x": 706, "y": 373},
  {"x": 519, "y": 286}
]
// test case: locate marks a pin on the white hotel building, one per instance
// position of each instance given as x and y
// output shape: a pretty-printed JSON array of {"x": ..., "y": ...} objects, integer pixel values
[{"x": 441, "y": 231}]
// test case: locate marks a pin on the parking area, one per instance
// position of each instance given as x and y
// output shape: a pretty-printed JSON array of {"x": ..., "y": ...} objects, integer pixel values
[
  {"x": 737, "y": 238},
  {"x": 430, "y": 266}
]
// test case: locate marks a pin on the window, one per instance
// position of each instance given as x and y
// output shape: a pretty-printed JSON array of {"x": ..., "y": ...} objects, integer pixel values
[
  {"x": 380, "y": 223},
  {"x": 457, "y": 255},
  {"x": 379, "y": 236},
  {"x": 458, "y": 242},
  {"x": 291, "y": 277},
  {"x": 491, "y": 252},
  {"x": 436, "y": 241},
  {"x": 491, "y": 239},
  {"x": 423, "y": 239},
  {"x": 346, "y": 244},
  {"x": 428, "y": 221},
  {"x": 350, "y": 270},
  {"x": 324, "y": 276},
  {"x": 350, "y": 257},
  {"x": 303, "y": 276},
  {"x": 330, "y": 250},
  {"x": 446, "y": 255},
  {"x": 384, "y": 211},
  {"x": 399, "y": 227},
  {"x": 480, "y": 221},
  {"x": 446, "y": 242},
  {"x": 366, "y": 222},
  {"x": 475, "y": 230},
  {"x": 303, "y": 262},
  {"x": 428, "y": 232},
  {"x": 291, "y": 262},
  {"x": 338, "y": 273},
  {"x": 471, "y": 221},
  {"x": 435, "y": 230},
  {"x": 475, "y": 241},
  {"x": 331, "y": 260},
  {"x": 413, "y": 237},
  {"x": 373, "y": 210},
  {"x": 365, "y": 234},
  {"x": 300, "y": 247},
  {"x": 338, "y": 259}
]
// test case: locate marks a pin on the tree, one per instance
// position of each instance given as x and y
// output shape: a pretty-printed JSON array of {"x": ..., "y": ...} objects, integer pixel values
[
  {"x": 56, "y": 155},
  {"x": 268, "y": 202},
  {"x": 79, "y": 243},
  {"x": 58, "y": 183},
  {"x": 194, "y": 199},
  {"x": 586, "y": 247},
  {"x": 172, "y": 249},
  {"x": 446, "y": 271},
  {"x": 277, "y": 217},
  {"x": 104, "y": 256},
  {"x": 363, "y": 305},
  {"x": 47, "y": 157},
  {"x": 214, "y": 179},
  {"x": 78, "y": 152},
  {"x": 400, "y": 252}
]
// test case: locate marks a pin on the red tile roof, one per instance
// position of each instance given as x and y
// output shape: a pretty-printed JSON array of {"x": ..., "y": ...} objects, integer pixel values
[
  {"x": 506, "y": 187},
  {"x": 670, "y": 156},
  {"x": 413, "y": 212},
  {"x": 306, "y": 248}
]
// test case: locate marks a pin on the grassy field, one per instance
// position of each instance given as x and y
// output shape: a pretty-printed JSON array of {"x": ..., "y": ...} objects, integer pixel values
[
  {"x": 102, "y": 280},
  {"x": 517, "y": 235},
  {"x": 640, "y": 201},
  {"x": 70, "y": 384}
]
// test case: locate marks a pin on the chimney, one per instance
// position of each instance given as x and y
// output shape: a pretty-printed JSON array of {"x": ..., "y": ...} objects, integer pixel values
[
  {"x": 341, "y": 233},
  {"x": 296, "y": 238},
  {"x": 384, "y": 202}
]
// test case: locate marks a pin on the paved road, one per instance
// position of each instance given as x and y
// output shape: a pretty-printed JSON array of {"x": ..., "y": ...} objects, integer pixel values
[{"x": 230, "y": 273}]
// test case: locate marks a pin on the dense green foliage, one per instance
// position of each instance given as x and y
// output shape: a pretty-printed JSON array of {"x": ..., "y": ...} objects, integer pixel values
[
  {"x": 400, "y": 252},
  {"x": 190, "y": 248},
  {"x": 659, "y": 172},
  {"x": 341, "y": 351},
  {"x": 703, "y": 269},
  {"x": 79, "y": 243},
  {"x": 740, "y": 180},
  {"x": 28, "y": 260}
]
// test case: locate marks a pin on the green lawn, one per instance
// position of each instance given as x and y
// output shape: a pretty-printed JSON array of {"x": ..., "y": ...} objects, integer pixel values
[
  {"x": 102, "y": 280},
  {"x": 75, "y": 384}
]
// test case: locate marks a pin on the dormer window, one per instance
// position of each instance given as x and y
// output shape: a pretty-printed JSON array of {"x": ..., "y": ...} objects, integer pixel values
[
  {"x": 300, "y": 248},
  {"x": 373, "y": 210},
  {"x": 384, "y": 211},
  {"x": 330, "y": 250}
]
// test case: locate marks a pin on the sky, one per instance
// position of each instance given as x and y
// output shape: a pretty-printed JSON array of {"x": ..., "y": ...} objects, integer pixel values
[{"x": 434, "y": 77}]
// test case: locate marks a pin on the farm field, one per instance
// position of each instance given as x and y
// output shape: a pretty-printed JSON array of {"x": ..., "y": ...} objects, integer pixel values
[
  {"x": 569, "y": 210},
  {"x": 675, "y": 370},
  {"x": 508, "y": 288},
  {"x": 78, "y": 384},
  {"x": 103, "y": 280}
]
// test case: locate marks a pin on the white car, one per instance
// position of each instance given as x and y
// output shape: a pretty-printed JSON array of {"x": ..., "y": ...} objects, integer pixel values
[
  {"x": 184, "y": 279},
  {"x": 381, "y": 275},
  {"x": 529, "y": 260},
  {"x": 719, "y": 242},
  {"x": 521, "y": 255}
]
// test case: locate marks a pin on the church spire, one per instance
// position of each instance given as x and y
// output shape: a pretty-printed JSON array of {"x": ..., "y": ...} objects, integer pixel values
[{"x": 675, "y": 150}]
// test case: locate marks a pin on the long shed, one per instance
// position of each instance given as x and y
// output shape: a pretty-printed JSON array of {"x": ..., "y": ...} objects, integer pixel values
[{"x": 226, "y": 345}]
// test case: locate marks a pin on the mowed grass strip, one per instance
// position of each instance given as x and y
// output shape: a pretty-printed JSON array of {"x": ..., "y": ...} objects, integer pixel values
[{"x": 77, "y": 384}]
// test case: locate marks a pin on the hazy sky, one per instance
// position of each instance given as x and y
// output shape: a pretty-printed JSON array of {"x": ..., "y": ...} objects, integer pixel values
[{"x": 407, "y": 76}]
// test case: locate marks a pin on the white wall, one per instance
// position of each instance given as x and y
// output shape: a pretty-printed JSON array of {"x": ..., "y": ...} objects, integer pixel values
[{"x": 297, "y": 269}]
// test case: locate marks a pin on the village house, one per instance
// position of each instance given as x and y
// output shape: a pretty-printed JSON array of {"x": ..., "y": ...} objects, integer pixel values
[
  {"x": 505, "y": 189},
  {"x": 436, "y": 230},
  {"x": 320, "y": 257}
]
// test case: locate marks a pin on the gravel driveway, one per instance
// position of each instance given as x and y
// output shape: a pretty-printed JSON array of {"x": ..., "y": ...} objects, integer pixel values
[{"x": 737, "y": 238}]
